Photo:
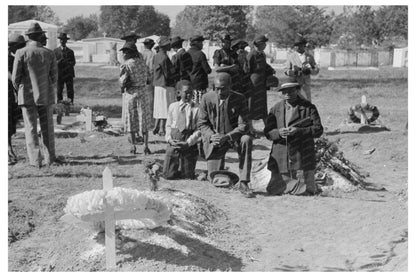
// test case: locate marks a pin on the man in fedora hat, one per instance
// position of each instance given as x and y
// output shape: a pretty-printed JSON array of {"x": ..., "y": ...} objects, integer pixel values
[
  {"x": 34, "y": 77},
  {"x": 259, "y": 70},
  {"x": 292, "y": 125},
  {"x": 301, "y": 65},
  {"x": 15, "y": 42},
  {"x": 164, "y": 83},
  {"x": 223, "y": 124},
  {"x": 181, "y": 60},
  {"x": 66, "y": 73},
  {"x": 200, "y": 67}
]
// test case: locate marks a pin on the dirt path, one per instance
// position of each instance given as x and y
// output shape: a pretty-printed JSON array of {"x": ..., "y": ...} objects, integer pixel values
[{"x": 361, "y": 231}]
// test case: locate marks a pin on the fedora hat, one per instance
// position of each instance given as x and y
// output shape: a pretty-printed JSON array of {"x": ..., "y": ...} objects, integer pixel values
[
  {"x": 196, "y": 38},
  {"x": 176, "y": 40},
  {"x": 34, "y": 28},
  {"x": 148, "y": 41},
  {"x": 63, "y": 36},
  {"x": 15, "y": 39},
  {"x": 131, "y": 35},
  {"x": 261, "y": 38},
  {"x": 238, "y": 42},
  {"x": 223, "y": 178},
  {"x": 129, "y": 45},
  {"x": 164, "y": 41}
]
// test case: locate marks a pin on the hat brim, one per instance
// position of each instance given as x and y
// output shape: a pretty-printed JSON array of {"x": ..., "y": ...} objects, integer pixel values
[
  {"x": 238, "y": 43},
  {"x": 130, "y": 36},
  {"x": 233, "y": 177},
  {"x": 35, "y": 32},
  {"x": 288, "y": 85}
]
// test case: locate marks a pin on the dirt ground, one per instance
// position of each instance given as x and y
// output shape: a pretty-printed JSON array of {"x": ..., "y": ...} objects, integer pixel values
[{"x": 365, "y": 230}]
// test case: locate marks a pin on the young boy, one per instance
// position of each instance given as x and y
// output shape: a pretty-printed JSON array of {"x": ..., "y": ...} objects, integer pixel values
[{"x": 182, "y": 135}]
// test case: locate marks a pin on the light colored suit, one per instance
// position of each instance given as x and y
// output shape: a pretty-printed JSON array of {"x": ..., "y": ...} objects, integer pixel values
[{"x": 35, "y": 76}]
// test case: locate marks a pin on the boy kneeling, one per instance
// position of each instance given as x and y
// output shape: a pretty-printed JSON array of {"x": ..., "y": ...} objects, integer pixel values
[{"x": 182, "y": 135}]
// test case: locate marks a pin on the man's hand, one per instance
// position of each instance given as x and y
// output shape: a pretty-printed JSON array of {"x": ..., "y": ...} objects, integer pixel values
[
  {"x": 284, "y": 132},
  {"x": 216, "y": 139},
  {"x": 292, "y": 131},
  {"x": 224, "y": 139},
  {"x": 178, "y": 144},
  {"x": 182, "y": 145}
]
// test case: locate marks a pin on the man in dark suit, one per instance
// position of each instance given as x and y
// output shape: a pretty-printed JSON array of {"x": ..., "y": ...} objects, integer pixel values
[
  {"x": 181, "y": 60},
  {"x": 292, "y": 125},
  {"x": 200, "y": 68},
  {"x": 223, "y": 124},
  {"x": 66, "y": 62}
]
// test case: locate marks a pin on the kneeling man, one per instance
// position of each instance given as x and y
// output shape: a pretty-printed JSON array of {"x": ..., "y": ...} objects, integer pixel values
[
  {"x": 182, "y": 135},
  {"x": 292, "y": 125},
  {"x": 223, "y": 121}
]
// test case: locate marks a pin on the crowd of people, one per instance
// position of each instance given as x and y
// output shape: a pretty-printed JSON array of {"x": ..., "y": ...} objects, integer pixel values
[{"x": 171, "y": 97}]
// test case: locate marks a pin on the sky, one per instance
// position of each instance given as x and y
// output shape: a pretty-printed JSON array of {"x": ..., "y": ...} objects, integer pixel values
[{"x": 66, "y": 12}]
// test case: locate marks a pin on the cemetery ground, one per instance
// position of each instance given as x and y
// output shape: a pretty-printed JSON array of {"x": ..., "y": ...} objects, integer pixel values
[{"x": 365, "y": 230}]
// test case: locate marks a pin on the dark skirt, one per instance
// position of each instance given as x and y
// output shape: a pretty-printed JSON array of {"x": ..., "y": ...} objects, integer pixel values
[{"x": 257, "y": 103}]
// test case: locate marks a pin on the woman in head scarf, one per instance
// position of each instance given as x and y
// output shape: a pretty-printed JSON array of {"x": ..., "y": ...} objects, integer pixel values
[{"x": 138, "y": 117}]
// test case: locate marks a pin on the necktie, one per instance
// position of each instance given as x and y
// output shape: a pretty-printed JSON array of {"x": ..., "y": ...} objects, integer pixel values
[{"x": 182, "y": 117}]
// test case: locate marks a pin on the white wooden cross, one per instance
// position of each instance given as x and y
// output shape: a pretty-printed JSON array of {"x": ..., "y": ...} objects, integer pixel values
[
  {"x": 110, "y": 216},
  {"x": 364, "y": 119},
  {"x": 110, "y": 241},
  {"x": 155, "y": 215}
]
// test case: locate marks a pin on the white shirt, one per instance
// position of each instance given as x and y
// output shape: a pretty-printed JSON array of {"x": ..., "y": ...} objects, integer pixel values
[{"x": 192, "y": 113}]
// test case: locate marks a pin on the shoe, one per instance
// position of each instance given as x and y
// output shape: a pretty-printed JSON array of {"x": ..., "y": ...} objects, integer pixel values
[
  {"x": 246, "y": 191},
  {"x": 155, "y": 131},
  {"x": 147, "y": 151},
  {"x": 161, "y": 133}
]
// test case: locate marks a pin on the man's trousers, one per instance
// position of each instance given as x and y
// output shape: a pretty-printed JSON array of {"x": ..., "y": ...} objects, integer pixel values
[
  {"x": 243, "y": 147},
  {"x": 69, "y": 89},
  {"x": 36, "y": 151}
]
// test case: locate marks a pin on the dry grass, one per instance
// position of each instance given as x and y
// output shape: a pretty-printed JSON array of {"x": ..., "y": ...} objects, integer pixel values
[{"x": 46, "y": 190}]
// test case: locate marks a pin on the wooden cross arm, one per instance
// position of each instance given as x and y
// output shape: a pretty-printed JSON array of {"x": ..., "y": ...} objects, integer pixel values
[{"x": 120, "y": 215}]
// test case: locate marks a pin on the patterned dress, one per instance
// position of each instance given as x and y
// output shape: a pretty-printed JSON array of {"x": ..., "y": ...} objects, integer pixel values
[{"x": 137, "y": 100}]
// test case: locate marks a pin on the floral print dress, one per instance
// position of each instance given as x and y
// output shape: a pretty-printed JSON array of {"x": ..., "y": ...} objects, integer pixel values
[{"x": 137, "y": 107}]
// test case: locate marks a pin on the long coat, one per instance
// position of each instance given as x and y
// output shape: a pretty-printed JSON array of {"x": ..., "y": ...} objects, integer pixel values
[
  {"x": 34, "y": 75},
  {"x": 182, "y": 63},
  {"x": 258, "y": 69},
  {"x": 200, "y": 69},
  {"x": 300, "y": 148},
  {"x": 236, "y": 120}
]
